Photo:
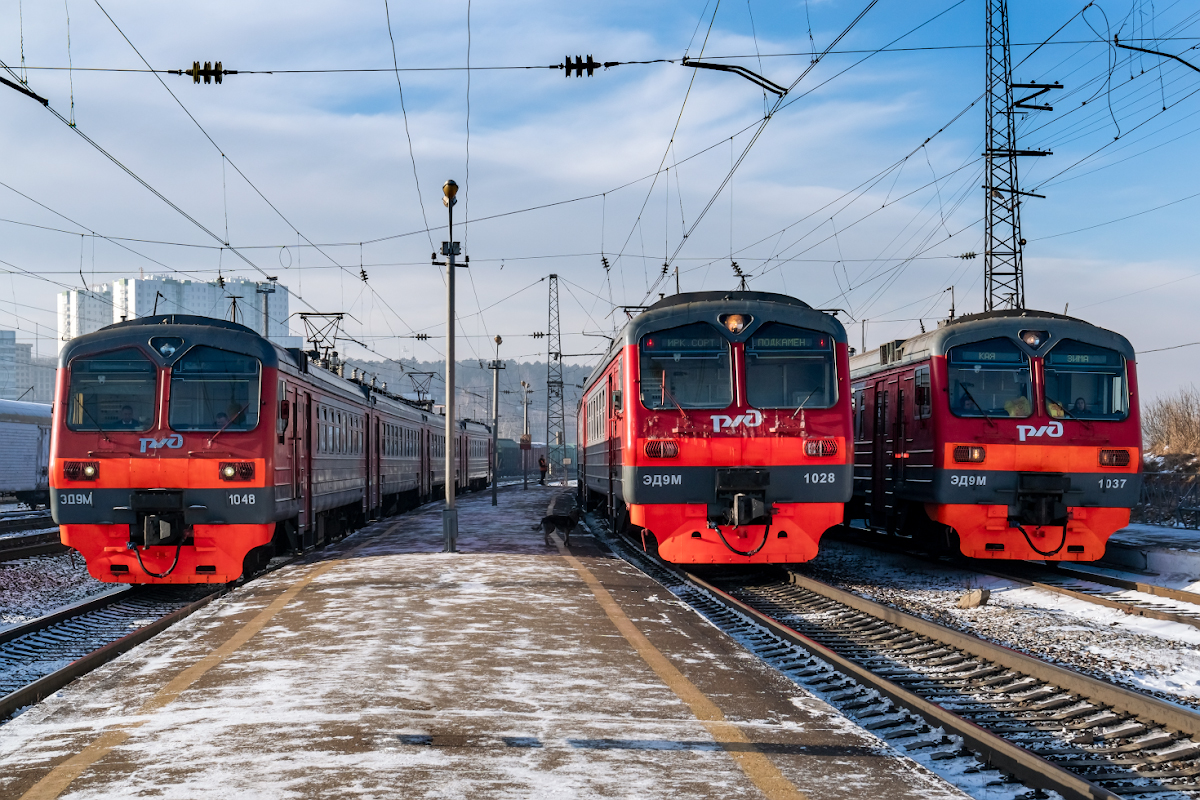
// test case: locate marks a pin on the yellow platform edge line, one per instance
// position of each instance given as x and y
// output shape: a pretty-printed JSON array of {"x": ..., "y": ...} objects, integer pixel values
[{"x": 757, "y": 767}]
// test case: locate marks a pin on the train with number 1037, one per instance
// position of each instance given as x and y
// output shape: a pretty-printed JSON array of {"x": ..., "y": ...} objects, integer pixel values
[
  {"x": 717, "y": 428},
  {"x": 189, "y": 450},
  {"x": 1004, "y": 435}
]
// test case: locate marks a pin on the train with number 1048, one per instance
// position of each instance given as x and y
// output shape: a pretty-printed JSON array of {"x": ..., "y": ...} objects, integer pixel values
[
  {"x": 1004, "y": 435},
  {"x": 189, "y": 450},
  {"x": 717, "y": 428}
]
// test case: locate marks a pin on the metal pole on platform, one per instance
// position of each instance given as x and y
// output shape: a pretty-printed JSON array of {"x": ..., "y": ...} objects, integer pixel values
[
  {"x": 495, "y": 367},
  {"x": 450, "y": 249},
  {"x": 525, "y": 443}
]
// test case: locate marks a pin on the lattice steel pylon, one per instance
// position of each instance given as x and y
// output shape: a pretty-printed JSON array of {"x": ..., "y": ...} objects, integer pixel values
[
  {"x": 556, "y": 423},
  {"x": 1003, "y": 271}
]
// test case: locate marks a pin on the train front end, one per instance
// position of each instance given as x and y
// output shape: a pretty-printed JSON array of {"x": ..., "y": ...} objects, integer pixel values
[
  {"x": 161, "y": 462},
  {"x": 737, "y": 427},
  {"x": 1039, "y": 455}
]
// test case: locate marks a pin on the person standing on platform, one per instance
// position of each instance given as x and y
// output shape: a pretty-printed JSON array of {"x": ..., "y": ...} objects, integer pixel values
[{"x": 542, "y": 467}]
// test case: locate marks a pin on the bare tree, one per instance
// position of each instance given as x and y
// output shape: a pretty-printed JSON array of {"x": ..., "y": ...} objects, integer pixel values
[{"x": 1171, "y": 425}]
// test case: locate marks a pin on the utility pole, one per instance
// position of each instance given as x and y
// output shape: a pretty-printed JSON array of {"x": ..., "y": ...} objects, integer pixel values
[
  {"x": 556, "y": 442},
  {"x": 495, "y": 367},
  {"x": 450, "y": 249},
  {"x": 526, "y": 444},
  {"x": 1003, "y": 267}
]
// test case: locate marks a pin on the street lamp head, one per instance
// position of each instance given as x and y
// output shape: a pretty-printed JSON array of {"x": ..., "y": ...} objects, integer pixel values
[
  {"x": 449, "y": 189},
  {"x": 499, "y": 340}
]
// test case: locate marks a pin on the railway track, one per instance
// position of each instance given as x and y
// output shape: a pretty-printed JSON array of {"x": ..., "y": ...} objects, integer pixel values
[
  {"x": 941, "y": 695},
  {"x": 35, "y": 544},
  {"x": 13, "y": 521},
  {"x": 41, "y": 656}
]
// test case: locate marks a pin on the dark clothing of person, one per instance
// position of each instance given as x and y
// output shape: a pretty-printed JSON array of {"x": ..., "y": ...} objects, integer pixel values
[{"x": 542, "y": 466}]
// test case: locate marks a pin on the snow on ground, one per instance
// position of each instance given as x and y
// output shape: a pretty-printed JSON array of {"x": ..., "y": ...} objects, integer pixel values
[
  {"x": 1162, "y": 658},
  {"x": 33, "y": 587},
  {"x": 1139, "y": 534}
]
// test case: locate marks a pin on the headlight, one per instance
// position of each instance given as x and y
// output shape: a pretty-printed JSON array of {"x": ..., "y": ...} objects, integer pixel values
[
  {"x": 237, "y": 470},
  {"x": 969, "y": 454}
]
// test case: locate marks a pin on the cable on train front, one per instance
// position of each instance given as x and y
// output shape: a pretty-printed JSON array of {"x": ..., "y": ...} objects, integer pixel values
[
  {"x": 718, "y": 429},
  {"x": 161, "y": 467}
]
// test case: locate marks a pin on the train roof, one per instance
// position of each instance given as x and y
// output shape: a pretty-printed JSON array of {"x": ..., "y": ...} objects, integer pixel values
[
  {"x": 686, "y": 307},
  {"x": 988, "y": 325},
  {"x": 27, "y": 413},
  {"x": 236, "y": 338}
]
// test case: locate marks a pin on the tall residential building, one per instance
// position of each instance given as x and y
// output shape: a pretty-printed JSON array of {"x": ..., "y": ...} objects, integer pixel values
[
  {"x": 81, "y": 312},
  {"x": 24, "y": 376}
]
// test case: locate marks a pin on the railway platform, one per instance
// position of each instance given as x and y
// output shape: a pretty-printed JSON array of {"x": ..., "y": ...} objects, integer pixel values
[
  {"x": 1172, "y": 555},
  {"x": 383, "y": 667}
]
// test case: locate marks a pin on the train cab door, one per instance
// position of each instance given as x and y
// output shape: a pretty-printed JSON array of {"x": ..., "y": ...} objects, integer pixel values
[
  {"x": 305, "y": 483},
  {"x": 879, "y": 455}
]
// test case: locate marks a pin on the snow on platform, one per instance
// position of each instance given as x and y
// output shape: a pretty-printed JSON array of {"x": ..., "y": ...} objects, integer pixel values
[
  {"x": 385, "y": 668},
  {"x": 1172, "y": 554}
]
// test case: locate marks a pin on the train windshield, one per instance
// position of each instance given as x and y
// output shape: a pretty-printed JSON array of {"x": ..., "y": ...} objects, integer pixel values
[
  {"x": 686, "y": 367},
  {"x": 1085, "y": 382},
  {"x": 790, "y": 367},
  {"x": 214, "y": 390},
  {"x": 989, "y": 378},
  {"x": 112, "y": 392}
]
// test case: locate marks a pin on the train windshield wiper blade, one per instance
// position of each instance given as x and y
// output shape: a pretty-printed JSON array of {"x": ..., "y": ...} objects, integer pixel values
[
  {"x": 228, "y": 422},
  {"x": 805, "y": 400},
  {"x": 971, "y": 397},
  {"x": 1068, "y": 412}
]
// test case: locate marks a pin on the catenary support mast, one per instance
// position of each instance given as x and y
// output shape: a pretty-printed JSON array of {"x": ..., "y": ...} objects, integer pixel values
[
  {"x": 1003, "y": 271},
  {"x": 556, "y": 432}
]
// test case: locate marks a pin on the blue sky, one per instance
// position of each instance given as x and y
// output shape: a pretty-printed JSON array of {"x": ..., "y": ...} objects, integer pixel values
[{"x": 330, "y": 152}]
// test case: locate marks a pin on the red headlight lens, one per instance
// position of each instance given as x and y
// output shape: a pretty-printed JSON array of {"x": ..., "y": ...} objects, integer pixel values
[
  {"x": 965, "y": 454},
  {"x": 661, "y": 448},
  {"x": 1114, "y": 458},
  {"x": 820, "y": 447},
  {"x": 81, "y": 470},
  {"x": 236, "y": 471}
]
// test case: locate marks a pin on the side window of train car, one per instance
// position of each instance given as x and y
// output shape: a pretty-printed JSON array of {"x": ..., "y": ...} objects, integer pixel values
[
  {"x": 213, "y": 390},
  {"x": 859, "y": 405},
  {"x": 686, "y": 367},
  {"x": 789, "y": 367},
  {"x": 922, "y": 404},
  {"x": 989, "y": 378},
  {"x": 112, "y": 392},
  {"x": 1084, "y": 381}
]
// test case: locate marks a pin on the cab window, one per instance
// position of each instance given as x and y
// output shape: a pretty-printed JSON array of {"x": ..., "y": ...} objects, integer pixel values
[
  {"x": 1084, "y": 381},
  {"x": 214, "y": 390},
  {"x": 112, "y": 392},
  {"x": 789, "y": 367},
  {"x": 686, "y": 367},
  {"x": 989, "y": 378}
]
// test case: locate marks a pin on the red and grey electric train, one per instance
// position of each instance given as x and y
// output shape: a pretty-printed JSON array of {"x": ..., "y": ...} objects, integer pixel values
[
  {"x": 1004, "y": 435},
  {"x": 717, "y": 427},
  {"x": 187, "y": 449}
]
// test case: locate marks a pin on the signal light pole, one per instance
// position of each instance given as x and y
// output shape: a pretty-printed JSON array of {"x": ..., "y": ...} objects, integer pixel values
[{"x": 450, "y": 250}]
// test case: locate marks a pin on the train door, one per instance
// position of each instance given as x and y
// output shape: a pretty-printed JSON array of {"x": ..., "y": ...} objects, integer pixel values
[
  {"x": 378, "y": 464},
  {"x": 879, "y": 456},
  {"x": 899, "y": 441},
  {"x": 307, "y": 527}
]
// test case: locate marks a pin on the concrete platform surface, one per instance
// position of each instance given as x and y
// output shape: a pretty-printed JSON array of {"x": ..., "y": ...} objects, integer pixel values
[{"x": 385, "y": 668}]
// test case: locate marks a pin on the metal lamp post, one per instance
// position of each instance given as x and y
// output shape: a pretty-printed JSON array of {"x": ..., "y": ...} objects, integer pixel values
[
  {"x": 525, "y": 443},
  {"x": 495, "y": 367},
  {"x": 450, "y": 250}
]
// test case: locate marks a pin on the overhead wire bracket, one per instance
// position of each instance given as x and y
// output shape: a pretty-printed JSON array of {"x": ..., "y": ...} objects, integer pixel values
[{"x": 753, "y": 77}]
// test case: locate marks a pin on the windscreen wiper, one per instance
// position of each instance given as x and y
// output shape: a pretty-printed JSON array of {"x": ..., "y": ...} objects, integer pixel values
[
  {"x": 99, "y": 427},
  {"x": 805, "y": 400},
  {"x": 1069, "y": 413},
  {"x": 971, "y": 397},
  {"x": 228, "y": 422}
]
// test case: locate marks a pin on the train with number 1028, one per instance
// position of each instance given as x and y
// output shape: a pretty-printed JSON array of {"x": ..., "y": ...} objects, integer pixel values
[
  {"x": 1004, "y": 435},
  {"x": 717, "y": 428},
  {"x": 189, "y": 450}
]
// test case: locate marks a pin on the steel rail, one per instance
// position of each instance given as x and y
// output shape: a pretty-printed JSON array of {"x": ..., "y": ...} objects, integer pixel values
[
  {"x": 24, "y": 521},
  {"x": 37, "y": 544},
  {"x": 49, "y": 684},
  {"x": 1033, "y": 770}
]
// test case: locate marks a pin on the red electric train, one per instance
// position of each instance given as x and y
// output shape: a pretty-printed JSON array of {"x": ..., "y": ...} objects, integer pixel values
[
  {"x": 189, "y": 450},
  {"x": 717, "y": 428},
  {"x": 1004, "y": 435}
]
